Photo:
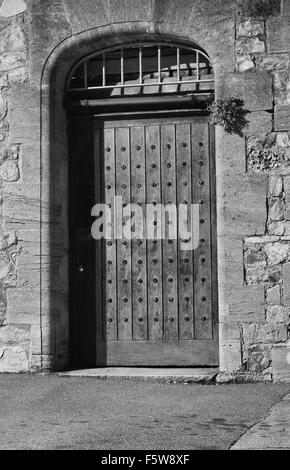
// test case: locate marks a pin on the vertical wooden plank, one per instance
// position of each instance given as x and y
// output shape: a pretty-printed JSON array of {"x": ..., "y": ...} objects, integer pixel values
[
  {"x": 110, "y": 303},
  {"x": 154, "y": 247},
  {"x": 202, "y": 256},
  {"x": 185, "y": 257},
  {"x": 139, "y": 262},
  {"x": 170, "y": 293},
  {"x": 98, "y": 243},
  {"x": 124, "y": 292}
]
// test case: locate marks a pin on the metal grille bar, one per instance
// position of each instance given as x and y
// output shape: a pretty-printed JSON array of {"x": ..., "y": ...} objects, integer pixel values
[{"x": 83, "y": 73}]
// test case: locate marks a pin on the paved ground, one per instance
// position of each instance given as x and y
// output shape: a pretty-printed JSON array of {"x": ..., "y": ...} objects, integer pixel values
[
  {"x": 51, "y": 412},
  {"x": 273, "y": 433}
]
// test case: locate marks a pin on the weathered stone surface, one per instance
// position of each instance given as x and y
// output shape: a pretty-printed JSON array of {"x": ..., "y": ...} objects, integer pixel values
[
  {"x": 260, "y": 123},
  {"x": 273, "y": 295},
  {"x": 287, "y": 196},
  {"x": 23, "y": 306},
  {"x": 286, "y": 228},
  {"x": 7, "y": 240},
  {"x": 285, "y": 8},
  {"x": 286, "y": 284},
  {"x": 241, "y": 205},
  {"x": 12, "y": 7},
  {"x": 13, "y": 51},
  {"x": 282, "y": 117},
  {"x": 230, "y": 268},
  {"x": 230, "y": 347},
  {"x": 245, "y": 63},
  {"x": 281, "y": 362},
  {"x": 259, "y": 358},
  {"x": 254, "y": 254},
  {"x": 260, "y": 274},
  {"x": 230, "y": 155},
  {"x": 276, "y": 228},
  {"x": 9, "y": 171},
  {"x": 6, "y": 266},
  {"x": 23, "y": 212},
  {"x": 251, "y": 28},
  {"x": 14, "y": 348},
  {"x": 250, "y": 45},
  {"x": 264, "y": 333},
  {"x": 275, "y": 186},
  {"x": 276, "y": 209},
  {"x": 278, "y": 34},
  {"x": 245, "y": 304},
  {"x": 261, "y": 239},
  {"x": 278, "y": 314},
  {"x": 277, "y": 252},
  {"x": 254, "y": 88},
  {"x": 273, "y": 62}
]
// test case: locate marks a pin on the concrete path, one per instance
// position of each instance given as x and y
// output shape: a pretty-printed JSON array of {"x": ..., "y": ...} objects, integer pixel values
[
  {"x": 52, "y": 412},
  {"x": 272, "y": 433}
]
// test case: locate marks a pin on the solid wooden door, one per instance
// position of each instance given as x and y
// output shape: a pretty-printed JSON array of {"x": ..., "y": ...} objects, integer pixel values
[{"x": 146, "y": 302}]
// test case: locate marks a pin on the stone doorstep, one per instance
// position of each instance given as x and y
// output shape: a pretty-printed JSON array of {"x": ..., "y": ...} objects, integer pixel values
[{"x": 163, "y": 375}]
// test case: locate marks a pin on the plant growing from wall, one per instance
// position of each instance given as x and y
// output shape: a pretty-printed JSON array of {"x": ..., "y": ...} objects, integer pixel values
[
  {"x": 230, "y": 114},
  {"x": 266, "y": 155},
  {"x": 258, "y": 8}
]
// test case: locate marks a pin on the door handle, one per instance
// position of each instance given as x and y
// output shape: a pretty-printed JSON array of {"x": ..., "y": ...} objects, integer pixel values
[{"x": 81, "y": 269}]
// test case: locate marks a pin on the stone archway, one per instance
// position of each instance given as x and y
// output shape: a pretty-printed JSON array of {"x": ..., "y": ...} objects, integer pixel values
[{"x": 54, "y": 164}]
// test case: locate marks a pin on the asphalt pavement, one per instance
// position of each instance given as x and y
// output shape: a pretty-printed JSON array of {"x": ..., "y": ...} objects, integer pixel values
[{"x": 52, "y": 412}]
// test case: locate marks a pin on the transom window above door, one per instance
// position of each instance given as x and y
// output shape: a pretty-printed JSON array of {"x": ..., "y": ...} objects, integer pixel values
[{"x": 143, "y": 69}]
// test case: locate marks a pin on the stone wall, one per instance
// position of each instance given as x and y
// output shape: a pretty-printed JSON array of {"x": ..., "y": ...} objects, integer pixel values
[
  {"x": 39, "y": 43},
  {"x": 262, "y": 79}
]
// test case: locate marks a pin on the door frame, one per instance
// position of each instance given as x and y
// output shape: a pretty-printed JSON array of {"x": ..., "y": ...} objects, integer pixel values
[{"x": 198, "y": 116}]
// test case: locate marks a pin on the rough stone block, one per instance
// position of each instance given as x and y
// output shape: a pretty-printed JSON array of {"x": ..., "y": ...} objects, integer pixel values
[
  {"x": 260, "y": 274},
  {"x": 12, "y": 8},
  {"x": 286, "y": 284},
  {"x": 230, "y": 154},
  {"x": 287, "y": 196},
  {"x": 15, "y": 354},
  {"x": 230, "y": 347},
  {"x": 245, "y": 304},
  {"x": 281, "y": 362},
  {"x": 285, "y": 7},
  {"x": 273, "y": 295},
  {"x": 9, "y": 171},
  {"x": 260, "y": 123},
  {"x": 278, "y": 314},
  {"x": 278, "y": 33},
  {"x": 275, "y": 186},
  {"x": 24, "y": 212},
  {"x": 276, "y": 228},
  {"x": 254, "y": 254},
  {"x": 258, "y": 358},
  {"x": 251, "y": 28},
  {"x": 23, "y": 307},
  {"x": 255, "y": 88},
  {"x": 241, "y": 205},
  {"x": 250, "y": 45},
  {"x": 245, "y": 63},
  {"x": 276, "y": 209},
  {"x": 273, "y": 62},
  {"x": 230, "y": 266},
  {"x": 277, "y": 252},
  {"x": 282, "y": 117},
  {"x": 264, "y": 333}
]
